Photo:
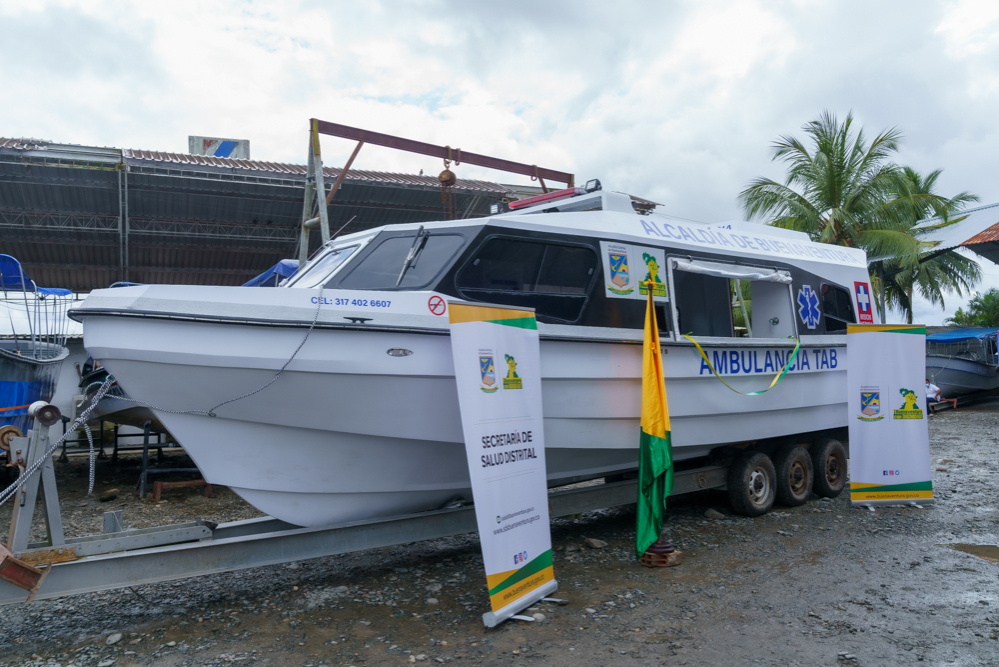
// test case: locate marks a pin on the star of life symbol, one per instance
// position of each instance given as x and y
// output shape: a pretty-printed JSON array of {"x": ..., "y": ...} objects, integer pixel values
[{"x": 808, "y": 306}]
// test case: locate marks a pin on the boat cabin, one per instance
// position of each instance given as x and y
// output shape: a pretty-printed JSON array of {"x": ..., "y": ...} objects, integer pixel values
[
  {"x": 585, "y": 259},
  {"x": 976, "y": 345}
]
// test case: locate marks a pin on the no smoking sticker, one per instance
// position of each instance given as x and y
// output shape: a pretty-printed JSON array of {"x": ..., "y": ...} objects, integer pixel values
[{"x": 436, "y": 305}]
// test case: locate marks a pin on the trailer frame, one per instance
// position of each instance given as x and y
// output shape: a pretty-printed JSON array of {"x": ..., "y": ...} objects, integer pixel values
[{"x": 125, "y": 558}]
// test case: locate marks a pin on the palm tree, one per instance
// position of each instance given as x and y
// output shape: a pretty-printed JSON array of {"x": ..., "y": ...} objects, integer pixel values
[
  {"x": 983, "y": 311},
  {"x": 841, "y": 190},
  {"x": 935, "y": 273},
  {"x": 837, "y": 191}
]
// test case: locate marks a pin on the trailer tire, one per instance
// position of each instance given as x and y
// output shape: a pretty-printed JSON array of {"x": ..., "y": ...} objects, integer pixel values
[
  {"x": 829, "y": 461},
  {"x": 751, "y": 484},
  {"x": 794, "y": 475}
]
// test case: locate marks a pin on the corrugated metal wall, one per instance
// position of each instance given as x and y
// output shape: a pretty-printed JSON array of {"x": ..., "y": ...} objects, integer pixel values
[{"x": 82, "y": 218}]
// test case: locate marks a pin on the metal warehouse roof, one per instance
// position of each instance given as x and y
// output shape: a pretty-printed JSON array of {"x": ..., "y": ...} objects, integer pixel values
[
  {"x": 83, "y": 217},
  {"x": 299, "y": 169},
  {"x": 20, "y": 144},
  {"x": 979, "y": 232}
]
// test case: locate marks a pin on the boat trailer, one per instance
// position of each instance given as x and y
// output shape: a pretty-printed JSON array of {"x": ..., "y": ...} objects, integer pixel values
[
  {"x": 120, "y": 558},
  {"x": 962, "y": 401}
]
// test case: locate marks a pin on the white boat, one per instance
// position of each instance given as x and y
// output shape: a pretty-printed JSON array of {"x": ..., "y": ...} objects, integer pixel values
[
  {"x": 963, "y": 361},
  {"x": 365, "y": 420}
]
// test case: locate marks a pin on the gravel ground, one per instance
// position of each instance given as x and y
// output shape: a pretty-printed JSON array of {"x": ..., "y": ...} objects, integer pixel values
[
  {"x": 84, "y": 515},
  {"x": 822, "y": 584}
]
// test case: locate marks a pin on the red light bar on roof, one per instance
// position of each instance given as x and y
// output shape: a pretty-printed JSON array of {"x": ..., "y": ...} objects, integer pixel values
[{"x": 548, "y": 196}]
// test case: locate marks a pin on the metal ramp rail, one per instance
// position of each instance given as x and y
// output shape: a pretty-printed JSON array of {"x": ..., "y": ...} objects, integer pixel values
[{"x": 267, "y": 541}]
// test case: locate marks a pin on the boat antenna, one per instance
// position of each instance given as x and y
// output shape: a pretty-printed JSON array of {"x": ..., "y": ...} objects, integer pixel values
[
  {"x": 329, "y": 243},
  {"x": 342, "y": 228}
]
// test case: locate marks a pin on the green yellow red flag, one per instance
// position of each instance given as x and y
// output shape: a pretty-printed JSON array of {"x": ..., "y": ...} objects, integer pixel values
[{"x": 655, "y": 459}]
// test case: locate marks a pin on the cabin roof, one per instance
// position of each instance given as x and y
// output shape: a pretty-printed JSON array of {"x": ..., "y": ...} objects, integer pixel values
[{"x": 745, "y": 240}]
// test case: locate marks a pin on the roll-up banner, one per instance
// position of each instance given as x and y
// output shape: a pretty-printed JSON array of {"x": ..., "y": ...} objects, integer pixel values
[
  {"x": 497, "y": 366},
  {"x": 889, "y": 440}
]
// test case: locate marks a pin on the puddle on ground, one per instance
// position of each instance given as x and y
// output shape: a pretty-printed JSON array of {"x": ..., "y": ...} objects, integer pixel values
[{"x": 983, "y": 551}]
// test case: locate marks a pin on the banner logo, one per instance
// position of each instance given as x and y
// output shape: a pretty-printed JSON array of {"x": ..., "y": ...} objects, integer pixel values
[
  {"x": 620, "y": 277},
  {"x": 910, "y": 409},
  {"x": 658, "y": 287},
  {"x": 512, "y": 380},
  {"x": 808, "y": 306},
  {"x": 487, "y": 371},
  {"x": 870, "y": 406},
  {"x": 863, "y": 294}
]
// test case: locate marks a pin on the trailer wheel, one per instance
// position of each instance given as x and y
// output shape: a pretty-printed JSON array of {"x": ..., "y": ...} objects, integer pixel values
[
  {"x": 829, "y": 461},
  {"x": 751, "y": 484},
  {"x": 794, "y": 475}
]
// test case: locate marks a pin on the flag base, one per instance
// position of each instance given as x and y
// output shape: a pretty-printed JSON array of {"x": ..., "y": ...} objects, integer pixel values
[
  {"x": 661, "y": 560},
  {"x": 661, "y": 554}
]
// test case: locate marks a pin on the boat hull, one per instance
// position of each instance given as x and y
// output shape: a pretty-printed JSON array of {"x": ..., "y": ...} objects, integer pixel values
[
  {"x": 960, "y": 377},
  {"x": 349, "y": 432},
  {"x": 24, "y": 380}
]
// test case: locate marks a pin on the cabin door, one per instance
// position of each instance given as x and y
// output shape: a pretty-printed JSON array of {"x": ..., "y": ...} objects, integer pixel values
[{"x": 772, "y": 316}]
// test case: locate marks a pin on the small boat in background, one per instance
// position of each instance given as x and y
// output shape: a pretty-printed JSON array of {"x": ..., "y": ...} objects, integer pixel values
[
  {"x": 32, "y": 342},
  {"x": 274, "y": 276},
  {"x": 963, "y": 361}
]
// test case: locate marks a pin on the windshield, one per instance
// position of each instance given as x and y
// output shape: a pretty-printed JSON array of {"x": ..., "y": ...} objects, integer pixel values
[
  {"x": 319, "y": 270},
  {"x": 382, "y": 268}
]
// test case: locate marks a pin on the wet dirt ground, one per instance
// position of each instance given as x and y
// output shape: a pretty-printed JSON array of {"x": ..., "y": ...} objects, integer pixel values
[{"x": 821, "y": 584}]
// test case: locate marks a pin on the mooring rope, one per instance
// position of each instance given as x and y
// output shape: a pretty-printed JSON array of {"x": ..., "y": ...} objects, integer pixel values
[{"x": 12, "y": 490}]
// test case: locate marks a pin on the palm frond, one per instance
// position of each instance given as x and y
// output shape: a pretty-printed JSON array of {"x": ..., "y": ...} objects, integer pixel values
[{"x": 842, "y": 189}]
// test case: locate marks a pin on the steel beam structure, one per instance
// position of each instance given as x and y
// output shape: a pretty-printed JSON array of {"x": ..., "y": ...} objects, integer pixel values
[
  {"x": 55, "y": 220},
  {"x": 211, "y": 230},
  {"x": 123, "y": 217},
  {"x": 443, "y": 152},
  {"x": 159, "y": 226},
  {"x": 267, "y": 541}
]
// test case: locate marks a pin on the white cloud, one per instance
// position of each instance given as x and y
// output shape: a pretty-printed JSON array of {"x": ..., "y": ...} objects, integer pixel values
[
  {"x": 676, "y": 101},
  {"x": 924, "y": 312}
]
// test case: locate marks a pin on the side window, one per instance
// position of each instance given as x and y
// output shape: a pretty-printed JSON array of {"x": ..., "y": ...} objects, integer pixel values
[
  {"x": 553, "y": 279},
  {"x": 703, "y": 304},
  {"x": 837, "y": 307},
  {"x": 321, "y": 269},
  {"x": 725, "y": 300},
  {"x": 504, "y": 265},
  {"x": 380, "y": 270}
]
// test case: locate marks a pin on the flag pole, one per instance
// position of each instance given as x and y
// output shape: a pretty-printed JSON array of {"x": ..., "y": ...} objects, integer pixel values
[{"x": 655, "y": 460}]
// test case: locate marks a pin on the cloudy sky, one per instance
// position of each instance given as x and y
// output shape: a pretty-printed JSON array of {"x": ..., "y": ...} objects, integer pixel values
[{"x": 674, "y": 101}]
